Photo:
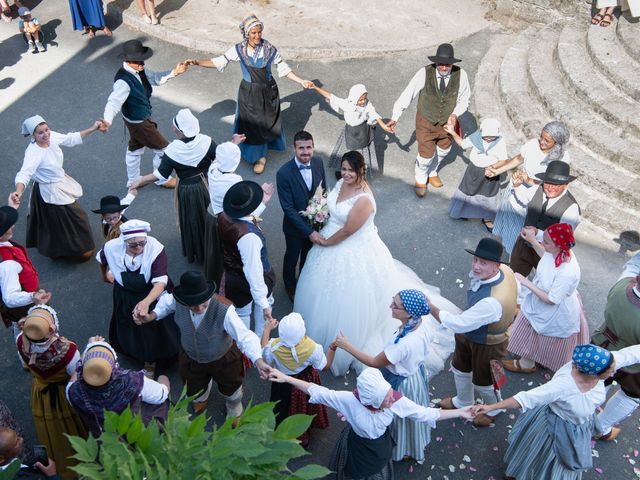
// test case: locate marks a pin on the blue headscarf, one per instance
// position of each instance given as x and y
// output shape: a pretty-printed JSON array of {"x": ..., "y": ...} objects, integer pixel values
[
  {"x": 591, "y": 359},
  {"x": 415, "y": 304}
]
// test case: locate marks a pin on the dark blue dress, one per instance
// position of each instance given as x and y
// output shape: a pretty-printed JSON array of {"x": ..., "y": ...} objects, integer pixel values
[{"x": 86, "y": 13}]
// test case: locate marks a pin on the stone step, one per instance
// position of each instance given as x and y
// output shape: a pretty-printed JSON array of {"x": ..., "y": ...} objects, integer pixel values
[
  {"x": 602, "y": 183},
  {"x": 580, "y": 76},
  {"x": 627, "y": 31},
  {"x": 613, "y": 61},
  {"x": 588, "y": 130}
]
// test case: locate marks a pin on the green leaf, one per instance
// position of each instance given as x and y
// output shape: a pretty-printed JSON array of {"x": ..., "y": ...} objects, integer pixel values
[
  {"x": 10, "y": 470},
  {"x": 124, "y": 421},
  {"x": 110, "y": 421},
  {"x": 310, "y": 472},
  {"x": 88, "y": 470},
  {"x": 293, "y": 426},
  {"x": 135, "y": 430},
  {"x": 86, "y": 450},
  {"x": 197, "y": 426}
]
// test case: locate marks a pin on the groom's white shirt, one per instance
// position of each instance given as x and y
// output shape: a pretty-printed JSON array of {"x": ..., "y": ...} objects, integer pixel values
[{"x": 306, "y": 173}]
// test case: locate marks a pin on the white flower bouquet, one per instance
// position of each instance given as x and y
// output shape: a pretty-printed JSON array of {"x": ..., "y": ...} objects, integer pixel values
[{"x": 317, "y": 211}]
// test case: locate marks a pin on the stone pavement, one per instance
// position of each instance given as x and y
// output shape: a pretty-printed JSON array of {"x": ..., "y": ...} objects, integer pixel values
[{"x": 69, "y": 84}]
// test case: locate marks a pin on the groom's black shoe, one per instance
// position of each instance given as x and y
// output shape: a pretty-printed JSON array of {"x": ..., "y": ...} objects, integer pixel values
[{"x": 291, "y": 293}]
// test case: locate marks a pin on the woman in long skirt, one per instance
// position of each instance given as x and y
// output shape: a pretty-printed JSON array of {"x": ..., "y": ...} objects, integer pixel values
[
  {"x": 190, "y": 155},
  {"x": 52, "y": 360},
  {"x": 57, "y": 225},
  {"x": 552, "y": 439},
  {"x": 551, "y": 321},
  {"x": 365, "y": 445},
  {"x": 533, "y": 159},
  {"x": 478, "y": 196},
  {"x": 402, "y": 365},
  {"x": 258, "y": 105},
  {"x": 88, "y": 15},
  {"x": 136, "y": 265},
  {"x": 360, "y": 118}
]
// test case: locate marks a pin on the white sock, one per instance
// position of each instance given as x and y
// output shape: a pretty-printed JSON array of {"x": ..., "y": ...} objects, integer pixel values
[
  {"x": 526, "y": 363},
  {"x": 619, "y": 407},
  {"x": 464, "y": 388},
  {"x": 488, "y": 396}
]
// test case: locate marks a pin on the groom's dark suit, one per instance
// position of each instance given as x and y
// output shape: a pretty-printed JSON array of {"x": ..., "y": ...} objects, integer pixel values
[{"x": 294, "y": 196}]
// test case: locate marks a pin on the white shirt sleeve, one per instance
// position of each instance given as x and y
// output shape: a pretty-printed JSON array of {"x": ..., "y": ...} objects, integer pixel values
[
  {"x": 12, "y": 294},
  {"x": 115, "y": 101},
  {"x": 222, "y": 61},
  {"x": 249, "y": 247},
  {"x": 153, "y": 392},
  {"x": 564, "y": 284},
  {"x": 248, "y": 342},
  {"x": 331, "y": 398},
  {"x": 337, "y": 103},
  {"x": 406, "y": 97},
  {"x": 71, "y": 366},
  {"x": 486, "y": 311},
  {"x": 165, "y": 306},
  {"x": 283, "y": 68},
  {"x": 631, "y": 268},
  {"x": 543, "y": 395},
  {"x": 71, "y": 139},
  {"x": 318, "y": 359},
  {"x": 405, "y": 408},
  {"x": 29, "y": 166},
  {"x": 159, "y": 78},
  {"x": 627, "y": 356},
  {"x": 464, "y": 94}
]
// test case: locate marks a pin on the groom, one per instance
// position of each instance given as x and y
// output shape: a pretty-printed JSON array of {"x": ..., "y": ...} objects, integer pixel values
[{"x": 297, "y": 181}]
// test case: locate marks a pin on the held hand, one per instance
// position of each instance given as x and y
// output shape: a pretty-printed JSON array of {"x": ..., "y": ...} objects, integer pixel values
[
  {"x": 133, "y": 191},
  {"x": 480, "y": 409},
  {"x": 109, "y": 278},
  {"x": 453, "y": 119},
  {"x": 386, "y": 128},
  {"x": 519, "y": 277},
  {"x": 489, "y": 172},
  {"x": 308, "y": 84},
  {"x": 448, "y": 128},
  {"x": 264, "y": 369},
  {"x": 342, "y": 341},
  {"x": 96, "y": 338},
  {"x": 315, "y": 238},
  {"x": 267, "y": 189},
  {"x": 41, "y": 297},
  {"x": 529, "y": 234},
  {"x": 104, "y": 127},
  {"x": 266, "y": 312},
  {"x": 141, "y": 310},
  {"x": 136, "y": 184},
  {"x": 391, "y": 124},
  {"x": 277, "y": 376},
  {"x": 270, "y": 324},
  {"x": 180, "y": 68},
  {"x": 14, "y": 200},
  {"x": 49, "y": 470},
  {"x": 191, "y": 61},
  {"x": 238, "y": 138},
  {"x": 467, "y": 413},
  {"x": 97, "y": 125}
]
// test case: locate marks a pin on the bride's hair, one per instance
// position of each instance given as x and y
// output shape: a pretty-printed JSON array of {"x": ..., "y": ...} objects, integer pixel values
[{"x": 357, "y": 164}]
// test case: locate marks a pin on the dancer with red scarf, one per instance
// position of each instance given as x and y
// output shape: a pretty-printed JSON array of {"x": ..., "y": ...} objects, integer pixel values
[{"x": 551, "y": 321}]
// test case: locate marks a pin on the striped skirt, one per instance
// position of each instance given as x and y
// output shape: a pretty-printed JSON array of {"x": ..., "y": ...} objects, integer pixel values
[
  {"x": 531, "y": 455},
  {"x": 550, "y": 352},
  {"x": 411, "y": 436},
  {"x": 508, "y": 222}
]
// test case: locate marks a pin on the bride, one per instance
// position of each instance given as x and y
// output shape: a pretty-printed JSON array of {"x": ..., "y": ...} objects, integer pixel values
[{"x": 350, "y": 277}]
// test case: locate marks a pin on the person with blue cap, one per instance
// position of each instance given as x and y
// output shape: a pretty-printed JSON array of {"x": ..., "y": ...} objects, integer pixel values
[{"x": 552, "y": 439}]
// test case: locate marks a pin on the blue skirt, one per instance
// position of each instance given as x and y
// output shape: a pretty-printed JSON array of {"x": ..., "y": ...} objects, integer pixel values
[
  {"x": 508, "y": 222},
  {"x": 86, "y": 13}
]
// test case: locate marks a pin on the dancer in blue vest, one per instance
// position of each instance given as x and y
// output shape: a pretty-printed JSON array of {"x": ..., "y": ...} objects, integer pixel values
[{"x": 132, "y": 87}]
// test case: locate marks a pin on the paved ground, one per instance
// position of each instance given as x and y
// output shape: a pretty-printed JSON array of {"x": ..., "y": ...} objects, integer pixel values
[{"x": 69, "y": 84}]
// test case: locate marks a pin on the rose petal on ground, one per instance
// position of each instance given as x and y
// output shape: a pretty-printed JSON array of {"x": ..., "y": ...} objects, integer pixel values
[
  {"x": 599, "y": 470},
  {"x": 466, "y": 458},
  {"x": 452, "y": 468}
]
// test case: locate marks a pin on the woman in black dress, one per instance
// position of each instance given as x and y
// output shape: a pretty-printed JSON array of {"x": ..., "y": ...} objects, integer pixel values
[{"x": 136, "y": 265}]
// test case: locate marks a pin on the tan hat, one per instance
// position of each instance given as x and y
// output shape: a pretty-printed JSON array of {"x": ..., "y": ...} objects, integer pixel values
[
  {"x": 37, "y": 325},
  {"x": 97, "y": 365}
]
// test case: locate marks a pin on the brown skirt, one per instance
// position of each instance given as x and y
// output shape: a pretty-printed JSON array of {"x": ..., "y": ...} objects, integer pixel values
[{"x": 58, "y": 230}]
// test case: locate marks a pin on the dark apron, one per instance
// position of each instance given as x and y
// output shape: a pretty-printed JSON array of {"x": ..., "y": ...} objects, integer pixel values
[
  {"x": 474, "y": 182},
  {"x": 358, "y": 137},
  {"x": 367, "y": 457},
  {"x": 259, "y": 107}
]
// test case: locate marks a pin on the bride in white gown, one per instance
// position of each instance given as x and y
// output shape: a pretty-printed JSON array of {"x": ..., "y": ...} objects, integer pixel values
[{"x": 349, "y": 279}]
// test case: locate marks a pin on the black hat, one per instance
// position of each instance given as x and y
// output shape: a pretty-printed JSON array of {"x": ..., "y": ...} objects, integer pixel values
[
  {"x": 444, "y": 54},
  {"x": 242, "y": 199},
  {"x": 8, "y": 218},
  {"x": 110, "y": 204},
  {"x": 194, "y": 289},
  {"x": 557, "y": 173},
  {"x": 490, "y": 249},
  {"x": 133, "y": 50}
]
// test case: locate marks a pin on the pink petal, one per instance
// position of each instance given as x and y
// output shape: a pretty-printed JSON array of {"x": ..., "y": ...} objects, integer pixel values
[{"x": 599, "y": 470}]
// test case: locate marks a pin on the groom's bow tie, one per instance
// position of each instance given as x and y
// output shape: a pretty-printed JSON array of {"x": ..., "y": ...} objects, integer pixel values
[{"x": 304, "y": 167}]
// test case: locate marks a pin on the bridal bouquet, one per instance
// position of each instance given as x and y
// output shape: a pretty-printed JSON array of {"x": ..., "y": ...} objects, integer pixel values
[{"x": 317, "y": 211}]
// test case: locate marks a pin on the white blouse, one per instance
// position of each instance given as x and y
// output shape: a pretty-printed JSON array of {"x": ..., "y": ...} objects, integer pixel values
[
  {"x": 482, "y": 160},
  {"x": 409, "y": 353},
  {"x": 353, "y": 114},
  {"x": 562, "y": 318},
  {"x": 563, "y": 396},
  {"x": 317, "y": 359},
  {"x": 367, "y": 423},
  {"x": 231, "y": 55},
  {"x": 44, "y": 165},
  {"x": 219, "y": 185}
]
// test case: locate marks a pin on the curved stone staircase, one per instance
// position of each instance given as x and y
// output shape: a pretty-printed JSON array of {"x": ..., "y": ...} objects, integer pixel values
[{"x": 588, "y": 77}]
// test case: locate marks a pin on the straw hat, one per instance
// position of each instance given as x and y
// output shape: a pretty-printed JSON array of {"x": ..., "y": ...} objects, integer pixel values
[
  {"x": 37, "y": 325},
  {"x": 97, "y": 366}
]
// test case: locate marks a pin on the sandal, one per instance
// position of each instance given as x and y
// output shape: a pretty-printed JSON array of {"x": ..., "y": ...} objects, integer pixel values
[
  {"x": 596, "y": 19},
  {"x": 488, "y": 224},
  {"x": 107, "y": 32},
  {"x": 606, "y": 20},
  {"x": 514, "y": 366},
  {"x": 91, "y": 33}
]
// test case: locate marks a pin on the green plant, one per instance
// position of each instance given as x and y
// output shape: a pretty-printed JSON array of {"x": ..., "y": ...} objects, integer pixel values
[
  {"x": 248, "y": 448},
  {"x": 10, "y": 470}
]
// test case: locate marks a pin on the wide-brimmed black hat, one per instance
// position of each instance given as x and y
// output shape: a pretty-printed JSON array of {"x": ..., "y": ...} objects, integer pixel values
[
  {"x": 110, "y": 204},
  {"x": 444, "y": 54},
  {"x": 557, "y": 173},
  {"x": 8, "y": 218},
  {"x": 194, "y": 289},
  {"x": 242, "y": 199},
  {"x": 490, "y": 249},
  {"x": 133, "y": 50}
]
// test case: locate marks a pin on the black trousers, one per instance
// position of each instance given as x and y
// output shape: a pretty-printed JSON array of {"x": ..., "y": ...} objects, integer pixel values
[{"x": 297, "y": 250}]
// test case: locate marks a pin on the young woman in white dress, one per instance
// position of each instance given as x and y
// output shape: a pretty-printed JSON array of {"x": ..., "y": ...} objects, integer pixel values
[{"x": 350, "y": 276}]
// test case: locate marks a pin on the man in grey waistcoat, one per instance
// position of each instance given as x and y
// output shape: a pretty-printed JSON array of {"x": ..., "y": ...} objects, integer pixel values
[{"x": 213, "y": 339}]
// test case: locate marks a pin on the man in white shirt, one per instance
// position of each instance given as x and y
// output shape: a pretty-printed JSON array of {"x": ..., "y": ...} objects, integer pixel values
[
  {"x": 444, "y": 95},
  {"x": 131, "y": 93},
  {"x": 481, "y": 330}
]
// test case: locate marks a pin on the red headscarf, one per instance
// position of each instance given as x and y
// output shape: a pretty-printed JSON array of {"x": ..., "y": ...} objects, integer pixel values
[{"x": 561, "y": 235}]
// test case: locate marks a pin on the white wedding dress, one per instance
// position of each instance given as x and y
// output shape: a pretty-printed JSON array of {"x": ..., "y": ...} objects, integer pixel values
[{"x": 348, "y": 287}]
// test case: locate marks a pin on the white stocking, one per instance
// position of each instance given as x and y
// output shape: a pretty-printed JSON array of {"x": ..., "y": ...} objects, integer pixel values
[
  {"x": 464, "y": 389},
  {"x": 619, "y": 407}
]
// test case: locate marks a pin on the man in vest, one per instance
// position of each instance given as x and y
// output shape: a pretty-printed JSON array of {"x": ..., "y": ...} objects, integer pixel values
[
  {"x": 249, "y": 278},
  {"x": 481, "y": 330},
  {"x": 621, "y": 328},
  {"x": 213, "y": 339},
  {"x": 18, "y": 277},
  {"x": 444, "y": 95},
  {"x": 131, "y": 93},
  {"x": 551, "y": 203}
]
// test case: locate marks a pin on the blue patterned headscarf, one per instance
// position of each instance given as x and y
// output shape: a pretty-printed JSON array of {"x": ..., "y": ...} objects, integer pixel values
[
  {"x": 591, "y": 359},
  {"x": 415, "y": 304}
]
